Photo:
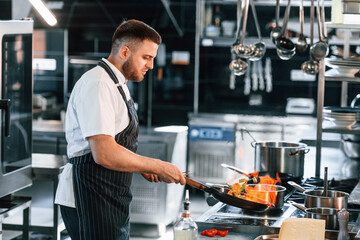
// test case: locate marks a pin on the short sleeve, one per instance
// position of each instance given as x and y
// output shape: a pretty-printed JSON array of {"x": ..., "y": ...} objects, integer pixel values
[{"x": 95, "y": 109}]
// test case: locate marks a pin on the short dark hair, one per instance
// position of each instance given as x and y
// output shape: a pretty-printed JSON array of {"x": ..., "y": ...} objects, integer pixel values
[{"x": 131, "y": 32}]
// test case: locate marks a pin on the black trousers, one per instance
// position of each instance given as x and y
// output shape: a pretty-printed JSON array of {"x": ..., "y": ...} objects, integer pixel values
[{"x": 71, "y": 221}]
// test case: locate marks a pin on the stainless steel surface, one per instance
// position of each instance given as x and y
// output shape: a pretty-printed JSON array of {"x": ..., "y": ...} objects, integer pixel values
[
  {"x": 327, "y": 214},
  {"x": 335, "y": 199},
  {"x": 320, "y": 104},
  {"x": 354, "y": 197},
  {"x": 351, "y": 6},
  {"x": 159, "y": 203},
  {"x": 282, "y": 157},
  {"x": 15, "y": 70},
  {"x": 351, "y": 148},
  {"x": 315, "y": 198},
  {"x": 208, "y": 154}
]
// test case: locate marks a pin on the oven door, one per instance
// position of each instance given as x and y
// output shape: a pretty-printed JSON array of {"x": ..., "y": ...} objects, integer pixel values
[{"x": 16, "y": 105}]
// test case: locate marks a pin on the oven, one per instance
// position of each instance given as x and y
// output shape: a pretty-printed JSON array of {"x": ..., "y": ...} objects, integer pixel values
[{"x": 16, "y": 85}]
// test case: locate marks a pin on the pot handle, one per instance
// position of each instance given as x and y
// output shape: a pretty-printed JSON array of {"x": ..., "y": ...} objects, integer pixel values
[
  {"x": 297, "y": 186},
  {"x": 253, "y": 144},
  {"x": 298, "y": 206},
  {"x": 306, "y": 150}
]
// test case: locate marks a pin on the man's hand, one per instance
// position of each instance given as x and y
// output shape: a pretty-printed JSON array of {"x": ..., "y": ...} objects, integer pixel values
[{"x": 151, "y": 177}]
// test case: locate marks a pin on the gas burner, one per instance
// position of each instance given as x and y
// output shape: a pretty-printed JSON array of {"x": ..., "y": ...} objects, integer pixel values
[{"x": 345, "y": 185}]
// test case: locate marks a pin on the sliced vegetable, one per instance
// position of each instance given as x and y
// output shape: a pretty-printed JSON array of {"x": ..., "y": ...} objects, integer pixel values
[
  {"x": 222, "y": 233},
  {"x": 213, "y": 232}
]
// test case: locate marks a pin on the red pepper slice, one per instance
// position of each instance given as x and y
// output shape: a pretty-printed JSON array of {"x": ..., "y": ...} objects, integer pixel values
[
  {"x": 222, "y": 233},
  {"x": 213, "y": 232}
]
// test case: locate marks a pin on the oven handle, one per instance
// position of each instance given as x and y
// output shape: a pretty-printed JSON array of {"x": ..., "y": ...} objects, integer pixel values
[{"x": 5, "y": 105}]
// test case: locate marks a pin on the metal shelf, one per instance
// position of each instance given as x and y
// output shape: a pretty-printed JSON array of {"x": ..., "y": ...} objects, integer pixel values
[
  {"x": 333, "y": 75},
  {"x": 343, "y": 26},
  {"x": 341, "y": 130},
  {"x": 283, "y": 3}
]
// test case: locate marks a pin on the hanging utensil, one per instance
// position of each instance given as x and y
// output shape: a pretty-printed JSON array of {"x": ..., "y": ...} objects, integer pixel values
[
  {"x": 285, "y": 48},
  {"x": 276, "y": 32},
  {"x": 301, "y": 44},
  {"x": 324, "y": 28},
  {"x": 254, "y": 76},
  {"x": 320, "y": 49},
  {"x": 237, "y": 66},
  {"x": 247, "y": 80},
  {"x": 242, "y": 50},
  {"x": 261, "y": 76},
  {"x": 259, "y": 47},
  {"x": 268, "y": 75},
  {"x": 311, "y": 66}
]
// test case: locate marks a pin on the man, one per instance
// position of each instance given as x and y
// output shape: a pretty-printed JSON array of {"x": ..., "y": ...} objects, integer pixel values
[{"x": 101, "y": 130}]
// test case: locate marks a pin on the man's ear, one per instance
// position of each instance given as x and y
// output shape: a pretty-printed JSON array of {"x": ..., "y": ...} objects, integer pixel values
[{"x": 124, "y": 52}]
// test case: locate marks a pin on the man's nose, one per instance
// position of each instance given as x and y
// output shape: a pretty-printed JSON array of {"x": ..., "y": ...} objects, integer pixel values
[{"x": 150, "y": 64}]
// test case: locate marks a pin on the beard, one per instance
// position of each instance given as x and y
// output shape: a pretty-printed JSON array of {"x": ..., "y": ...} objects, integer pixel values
[{"x": 130, "y": 72}]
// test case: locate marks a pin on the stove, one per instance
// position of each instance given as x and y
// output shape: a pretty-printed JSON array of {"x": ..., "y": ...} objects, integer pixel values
[{"x": 223, "y": 216}]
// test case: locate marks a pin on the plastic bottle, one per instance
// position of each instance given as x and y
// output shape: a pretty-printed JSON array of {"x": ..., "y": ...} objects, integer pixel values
[{"x": 186, "y": 228}]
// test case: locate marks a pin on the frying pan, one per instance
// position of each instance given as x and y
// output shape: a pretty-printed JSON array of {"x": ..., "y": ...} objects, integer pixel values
[{"x": 227, "y": 198}]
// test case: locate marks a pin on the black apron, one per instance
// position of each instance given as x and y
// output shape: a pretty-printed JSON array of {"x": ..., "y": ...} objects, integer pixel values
[{"x": 103, "y": 196}]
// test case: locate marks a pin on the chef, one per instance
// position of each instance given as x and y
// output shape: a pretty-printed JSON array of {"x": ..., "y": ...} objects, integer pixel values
[{"x": 101, "y": 129}]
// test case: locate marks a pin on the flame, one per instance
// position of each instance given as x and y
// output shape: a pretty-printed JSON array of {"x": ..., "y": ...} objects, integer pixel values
[{"x": 263, "y": 192}]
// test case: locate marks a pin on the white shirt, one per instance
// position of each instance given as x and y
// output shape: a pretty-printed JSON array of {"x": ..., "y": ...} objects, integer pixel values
[{"x": 95, "y": 107}]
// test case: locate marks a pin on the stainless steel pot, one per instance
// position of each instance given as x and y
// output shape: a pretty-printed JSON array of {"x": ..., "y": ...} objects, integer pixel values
[
  {"x": 314, "y": 198},
  {"x": 279, "y": 156},
  {"x": 327, "y": 214}
]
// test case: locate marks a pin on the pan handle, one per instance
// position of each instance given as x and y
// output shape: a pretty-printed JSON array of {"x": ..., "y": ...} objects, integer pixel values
[
  {"x": 299, "y": 206},
  {"x": 297, "y": 186},
  {"x": 198, "y": 185}
]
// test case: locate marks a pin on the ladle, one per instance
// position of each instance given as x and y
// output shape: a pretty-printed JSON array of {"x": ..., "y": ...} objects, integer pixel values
[
  {"x": 243, "y": 50},
  {"x": 285, "y": 48},
  {"x": 259, "y": 47},
  {"x": 238, "y": 24},
  {"x": 237, "y": 66},
  {"x": 301, "y": 44},
  {"x": 276, "y": 32},
  {"x": 311, "y": 66},
  {"x": 320, "y": 49},
  {"x": 324, "y": 28}
]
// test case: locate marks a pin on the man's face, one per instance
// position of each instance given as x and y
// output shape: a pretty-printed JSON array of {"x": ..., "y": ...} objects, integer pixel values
[{"x": 140, "y": 61}]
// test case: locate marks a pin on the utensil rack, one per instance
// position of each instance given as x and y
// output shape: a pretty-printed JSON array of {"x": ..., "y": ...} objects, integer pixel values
[{"x": 328, "y": 76}]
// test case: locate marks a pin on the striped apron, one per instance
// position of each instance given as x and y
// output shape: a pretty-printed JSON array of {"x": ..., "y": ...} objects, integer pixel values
[{"x": 103, "y": 196}]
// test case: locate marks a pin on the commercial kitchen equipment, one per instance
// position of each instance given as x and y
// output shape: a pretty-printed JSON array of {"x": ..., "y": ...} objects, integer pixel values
[
  {"x": 16, "y": 119},
  {"x": 15, "y": 103},
  {"x": 219, "y": 138},
  {"x": 245, "y": 224},
  {"x": 159, "y": 204}
]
